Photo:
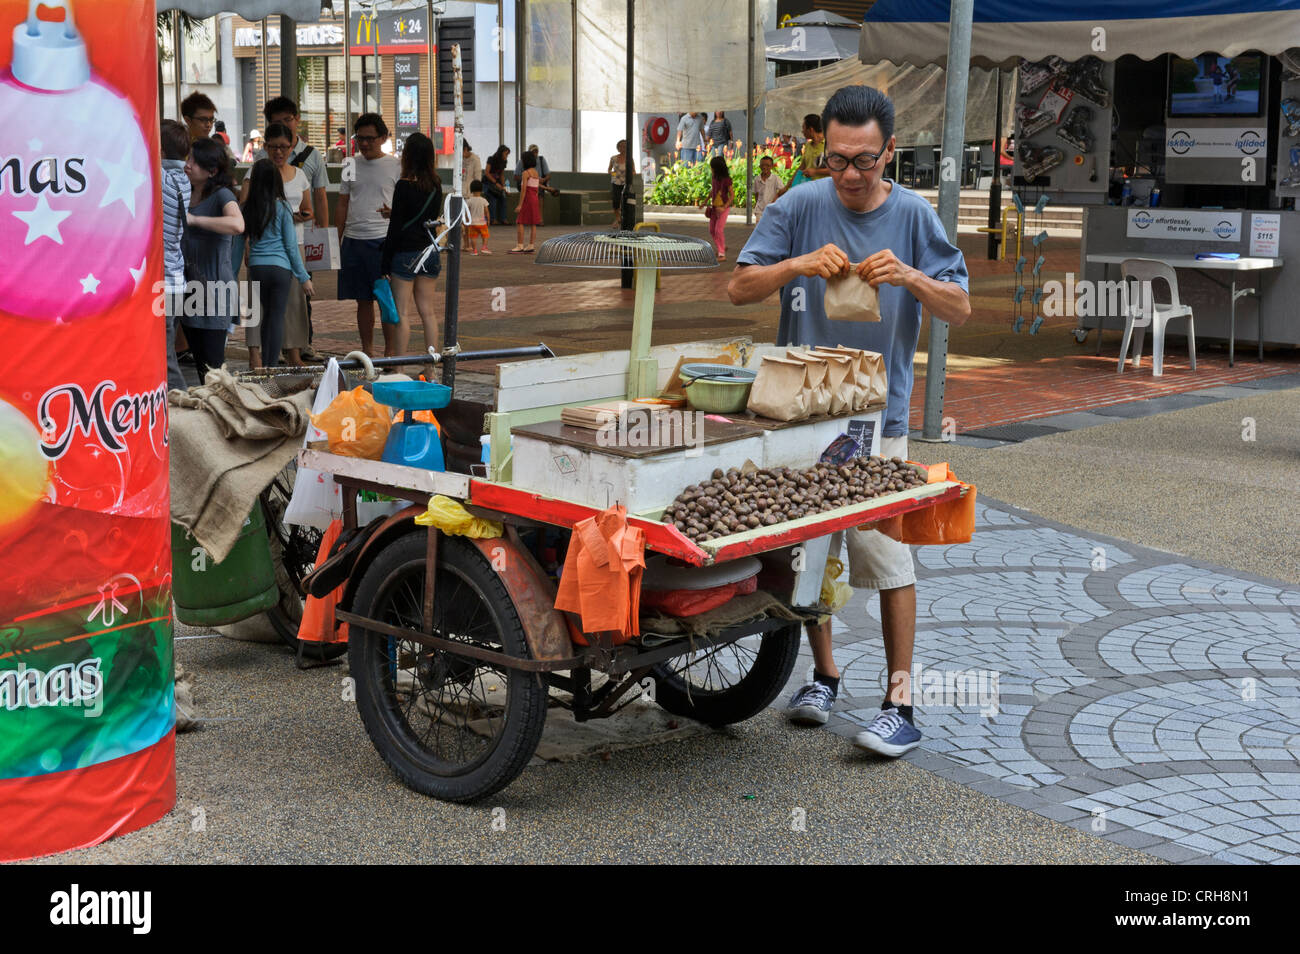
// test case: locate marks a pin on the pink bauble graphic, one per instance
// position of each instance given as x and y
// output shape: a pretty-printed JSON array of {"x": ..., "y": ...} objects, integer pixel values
[{"x": 76, "y": 201}]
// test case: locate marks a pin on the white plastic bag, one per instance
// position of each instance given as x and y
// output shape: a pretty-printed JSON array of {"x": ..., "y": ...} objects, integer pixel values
[{"x": 316, "y": 499}]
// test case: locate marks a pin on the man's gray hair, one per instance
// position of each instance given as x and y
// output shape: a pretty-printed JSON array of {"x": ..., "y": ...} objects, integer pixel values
[{"x": 857, "y": 106}]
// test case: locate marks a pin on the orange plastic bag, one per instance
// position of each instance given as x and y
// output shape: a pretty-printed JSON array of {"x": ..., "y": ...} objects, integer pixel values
[
  {"x": 952, "y": 521},
  {"x": 601, "y": 581},
  {"x": 318, "y": 624},
  {"x": 355, "y": 425}
]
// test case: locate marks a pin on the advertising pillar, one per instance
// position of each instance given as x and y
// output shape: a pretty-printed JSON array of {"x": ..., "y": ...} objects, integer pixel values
[{"x": 86, "y": 694}]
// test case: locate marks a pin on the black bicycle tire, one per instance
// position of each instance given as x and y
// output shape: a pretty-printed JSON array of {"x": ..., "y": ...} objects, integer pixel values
[
  {"x": 754, "y": 692},
  {"x": 526, "y": 694}
]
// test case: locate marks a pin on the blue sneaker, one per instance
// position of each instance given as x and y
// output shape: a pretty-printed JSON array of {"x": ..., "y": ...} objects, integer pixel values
[
  {"x": 811, "y": 705},
  {"x": 889, "y": 734}
]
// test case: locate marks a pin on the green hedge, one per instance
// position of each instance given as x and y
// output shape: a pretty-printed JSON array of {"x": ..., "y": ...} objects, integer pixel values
[{"x": 684, "y": 184}]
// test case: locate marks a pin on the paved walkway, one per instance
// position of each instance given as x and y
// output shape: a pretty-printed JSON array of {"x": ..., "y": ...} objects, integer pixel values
[{"x": 1147, "y": 698}]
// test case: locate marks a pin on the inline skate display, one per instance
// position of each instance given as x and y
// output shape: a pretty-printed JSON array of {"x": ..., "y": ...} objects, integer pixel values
[
  {"x": 1077, "y": 129},
  {"x": 1292, "y": 180},
  {"x": 1032, "y": 120},
  {"x": 1084, "y": 77},
  {"x": 1035, "y": 160},
  {"x": 1291, "y": 116}
]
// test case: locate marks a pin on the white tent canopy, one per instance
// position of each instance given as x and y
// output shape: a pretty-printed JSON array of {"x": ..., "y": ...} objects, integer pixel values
[
  {"x": 917, "y": 92},
  {"x": 916, "y": 31}
]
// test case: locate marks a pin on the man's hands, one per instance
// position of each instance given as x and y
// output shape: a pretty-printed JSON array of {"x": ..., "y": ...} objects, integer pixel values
[
  {"x": 831, "y": 261},
  {"x": 884, "y": 268},
  {"x": 827, "y": 262}
]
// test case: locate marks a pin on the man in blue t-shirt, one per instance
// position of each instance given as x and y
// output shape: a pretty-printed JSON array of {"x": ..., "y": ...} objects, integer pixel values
[{"x": 857, "y": 221}]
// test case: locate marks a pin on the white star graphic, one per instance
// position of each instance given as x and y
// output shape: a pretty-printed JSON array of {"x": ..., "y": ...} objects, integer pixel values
[
  {"x": 89, "y": 284},
  {"x": 137, "y": 273},
  {"x": 34, "y": 145},
  {"x": 123, "y": 180},
  {"x": 42, "y": 221}
]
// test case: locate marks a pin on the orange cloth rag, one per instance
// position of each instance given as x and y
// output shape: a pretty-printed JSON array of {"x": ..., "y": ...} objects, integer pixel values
[
  {"x": 602, "y": 574},
  {"x": 952, "y": 521},
  {"x": 318, "y": 624}
]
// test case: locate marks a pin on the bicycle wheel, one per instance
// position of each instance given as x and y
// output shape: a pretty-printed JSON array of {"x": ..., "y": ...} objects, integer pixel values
[
  {"x": 728, "y": 683},
  {"x": 449, "y": 726}
]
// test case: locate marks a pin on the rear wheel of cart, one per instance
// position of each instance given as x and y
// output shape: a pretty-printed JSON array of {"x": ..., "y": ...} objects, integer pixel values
[
  {"x": 728, "y": 683},
  {"x": 448, "y": 725}
]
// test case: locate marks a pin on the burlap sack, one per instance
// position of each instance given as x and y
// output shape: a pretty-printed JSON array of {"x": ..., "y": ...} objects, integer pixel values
[
  {"x": 818, "y": 382},
  {"x": 850, "y": 298},
  {"x": 778, "y": 391}
]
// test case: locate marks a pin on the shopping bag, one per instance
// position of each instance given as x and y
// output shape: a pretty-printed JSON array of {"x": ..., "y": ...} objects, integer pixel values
[
  {"x": 355, "y": 425},
  {"x": 316, "y": 500},
  {"x": 778, "y": 391},
  {"x": 601, "y": 580},
  {"x": 387, "y": 304},
  {"x": 320, "y": 249},
  {"x": 850, "y": 298},
  {"x": 318, "y": 624}
]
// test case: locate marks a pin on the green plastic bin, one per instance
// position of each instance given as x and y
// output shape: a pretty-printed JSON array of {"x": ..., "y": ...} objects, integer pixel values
[{"x": 207, "y": 593}]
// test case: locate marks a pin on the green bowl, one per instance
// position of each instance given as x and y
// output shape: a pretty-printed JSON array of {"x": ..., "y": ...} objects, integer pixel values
[{"x": 718, "y": 397}]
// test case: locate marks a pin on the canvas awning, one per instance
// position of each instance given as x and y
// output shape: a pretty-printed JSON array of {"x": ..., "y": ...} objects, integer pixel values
[
  {"x": 916, "y": 31},
  {"x": 305, "y": 11}
]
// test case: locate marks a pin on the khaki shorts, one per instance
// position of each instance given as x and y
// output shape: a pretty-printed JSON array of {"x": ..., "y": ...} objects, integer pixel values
[{"x": 876, "y": 561}]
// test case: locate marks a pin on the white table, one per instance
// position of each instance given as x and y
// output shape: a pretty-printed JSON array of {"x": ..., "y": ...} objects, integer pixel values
[{"x": 1204, "y": 265}]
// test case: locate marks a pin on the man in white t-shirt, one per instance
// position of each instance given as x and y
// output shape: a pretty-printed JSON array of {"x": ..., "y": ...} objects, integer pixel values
[
  {"x": 282, "y": 109},
  {"x": 766, "y": 186},
  {"x": 365, "y": 195}
]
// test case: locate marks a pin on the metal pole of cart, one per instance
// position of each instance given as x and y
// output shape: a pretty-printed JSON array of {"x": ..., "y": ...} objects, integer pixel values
[
  {"x": 452, "y": 314},
  {"x": 954, "y": 135}
]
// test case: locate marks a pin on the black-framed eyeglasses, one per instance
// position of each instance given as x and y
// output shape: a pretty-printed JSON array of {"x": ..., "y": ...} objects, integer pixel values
[{"x": 864, "y": 162}]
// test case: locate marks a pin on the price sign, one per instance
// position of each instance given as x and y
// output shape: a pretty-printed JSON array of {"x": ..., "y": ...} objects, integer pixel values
[{"x": 1265, "y": 235}]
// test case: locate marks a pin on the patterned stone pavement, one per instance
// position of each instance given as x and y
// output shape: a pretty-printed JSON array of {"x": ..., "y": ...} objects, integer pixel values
[{"x": 1138, "y": 695}]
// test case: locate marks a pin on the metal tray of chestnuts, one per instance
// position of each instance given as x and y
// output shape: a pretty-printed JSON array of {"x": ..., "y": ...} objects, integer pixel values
[{"x": 742, "y": 511}]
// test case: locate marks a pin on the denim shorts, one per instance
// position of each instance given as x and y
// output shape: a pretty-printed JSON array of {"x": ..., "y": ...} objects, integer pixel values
[
  {"x": 404, "y": 265},
  {"x": 362, "y": 264}
]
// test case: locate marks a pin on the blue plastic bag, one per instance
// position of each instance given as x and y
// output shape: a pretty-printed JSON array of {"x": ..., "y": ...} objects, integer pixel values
[{"x": 387, "y": 305}]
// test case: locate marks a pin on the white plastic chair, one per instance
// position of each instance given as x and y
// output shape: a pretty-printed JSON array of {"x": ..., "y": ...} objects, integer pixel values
[{"x": 1143, "y": 311}]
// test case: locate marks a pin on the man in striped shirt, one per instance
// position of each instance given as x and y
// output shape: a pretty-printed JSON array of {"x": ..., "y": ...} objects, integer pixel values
[{"x": 175, "y": 203}]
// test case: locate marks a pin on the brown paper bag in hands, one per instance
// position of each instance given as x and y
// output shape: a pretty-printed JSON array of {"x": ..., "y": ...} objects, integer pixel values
[
  {"x": 779, "y": 390},
  {"x": 850, "y": 298},
  {"x": 818, "y": 383}
]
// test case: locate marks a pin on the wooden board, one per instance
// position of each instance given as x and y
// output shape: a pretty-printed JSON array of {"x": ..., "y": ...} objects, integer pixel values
[
  {"x": 391, "y": 475},
  {"x": 555, "y": 432},
  {"x": 769, "y": 424}
]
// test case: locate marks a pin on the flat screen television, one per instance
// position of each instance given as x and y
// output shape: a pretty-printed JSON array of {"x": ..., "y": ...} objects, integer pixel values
[{"x": 1214, "y": 85}]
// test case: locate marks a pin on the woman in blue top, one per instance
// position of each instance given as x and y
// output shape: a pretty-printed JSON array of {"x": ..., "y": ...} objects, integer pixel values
[{"x": 273, "y": 259}]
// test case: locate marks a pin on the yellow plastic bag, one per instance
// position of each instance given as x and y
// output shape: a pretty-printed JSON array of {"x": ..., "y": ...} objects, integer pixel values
[
  {"x": 835, "y": 592},
  {"x": 355, "y": 424},
  {"x": 450, "y": 517}
]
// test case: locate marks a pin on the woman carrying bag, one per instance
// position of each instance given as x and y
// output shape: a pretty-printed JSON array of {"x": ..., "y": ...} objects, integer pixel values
[
  {"x": 272, "y": 254},
  {"x": 297, "y": 192},
  {"x": 417, "y": 203}
]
